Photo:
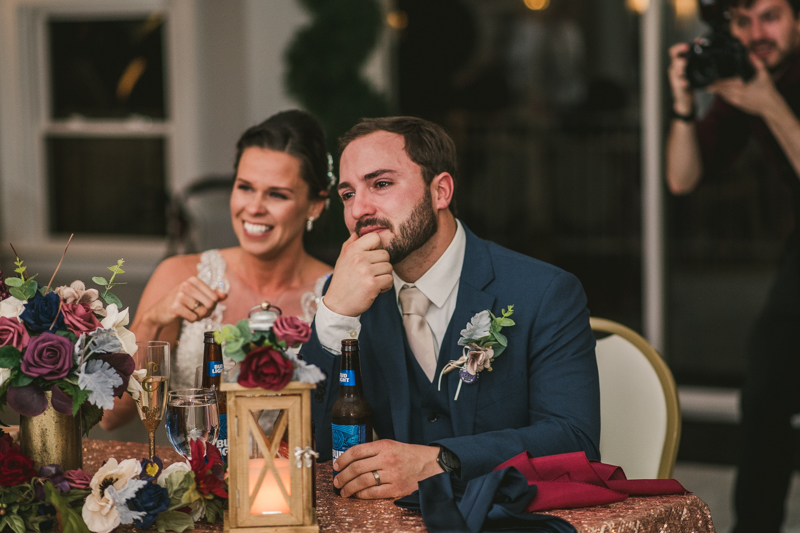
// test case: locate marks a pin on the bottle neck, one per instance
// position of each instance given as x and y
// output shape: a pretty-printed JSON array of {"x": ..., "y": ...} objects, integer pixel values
[{"x": 350, "y": 374}]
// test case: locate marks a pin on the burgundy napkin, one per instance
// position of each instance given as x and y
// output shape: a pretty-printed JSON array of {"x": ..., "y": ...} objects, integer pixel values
[{"x": 570, "y": 480}]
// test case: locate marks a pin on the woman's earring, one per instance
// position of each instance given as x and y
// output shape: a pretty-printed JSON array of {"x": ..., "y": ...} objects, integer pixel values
[{"x": 309, "y": 224}]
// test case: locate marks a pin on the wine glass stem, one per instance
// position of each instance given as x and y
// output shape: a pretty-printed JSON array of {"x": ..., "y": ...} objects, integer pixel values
[{"x": 152, "y": 436}]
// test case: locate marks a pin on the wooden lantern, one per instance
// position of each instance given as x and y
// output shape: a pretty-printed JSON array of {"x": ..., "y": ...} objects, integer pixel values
[{"x": 267, "y": 491}]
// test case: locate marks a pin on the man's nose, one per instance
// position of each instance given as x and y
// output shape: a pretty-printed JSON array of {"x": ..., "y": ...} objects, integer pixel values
[
  {"x": 757, "y": 31},
  {"x": 361, "y": 206}
]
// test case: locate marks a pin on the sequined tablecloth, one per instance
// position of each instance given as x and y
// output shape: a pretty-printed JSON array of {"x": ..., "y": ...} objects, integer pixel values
[{"x": 656, "y": 514}]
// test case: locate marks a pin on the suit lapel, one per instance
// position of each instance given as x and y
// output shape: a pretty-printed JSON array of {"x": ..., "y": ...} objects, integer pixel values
[
  {"x": 386, "y": 335},
  {"x": 476, "y": 274}
]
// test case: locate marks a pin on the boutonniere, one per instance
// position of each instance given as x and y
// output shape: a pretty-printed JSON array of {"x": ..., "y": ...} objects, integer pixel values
[{"x": 483, "y": 343}]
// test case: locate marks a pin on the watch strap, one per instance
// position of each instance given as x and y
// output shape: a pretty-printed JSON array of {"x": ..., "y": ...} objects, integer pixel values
[{"x": 689, "y": 117}]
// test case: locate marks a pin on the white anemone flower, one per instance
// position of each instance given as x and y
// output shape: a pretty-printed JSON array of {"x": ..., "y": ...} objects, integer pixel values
[{"x": 117, "y": 320}]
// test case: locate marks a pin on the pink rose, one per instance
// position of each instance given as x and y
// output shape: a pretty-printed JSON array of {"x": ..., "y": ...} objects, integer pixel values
[
  {"x": 79, "y": 318},
  {"x": 78, "y": 479},
  {"x": 292, "y": 330},
  {"x": 48, "y": 356},
  {"x": 13, "y": 333}
]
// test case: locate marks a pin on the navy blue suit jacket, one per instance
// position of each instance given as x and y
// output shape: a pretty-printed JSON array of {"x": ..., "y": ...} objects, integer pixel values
[{"x": 542, "y": 395}]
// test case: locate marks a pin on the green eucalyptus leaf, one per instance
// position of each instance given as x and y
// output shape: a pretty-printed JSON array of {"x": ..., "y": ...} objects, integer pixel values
[
  {"x": 501, "y": 339},
  {"x": 174, "y": 521},
  {"x": 499, "y": 349},
  {"x": 100, "y": 280},
  {"x": 17, "y": 293},
  {"x": 29, "y": 288},
  {"x": 14, "y": 282},
  {"x": 10, "y": 357},
  {"x": 109, "y": 299},
  {"x": 507, "y": 322}
]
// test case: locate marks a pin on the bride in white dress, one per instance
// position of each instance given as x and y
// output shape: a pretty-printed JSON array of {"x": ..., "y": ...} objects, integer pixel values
[{"x": 283, "y": 179}]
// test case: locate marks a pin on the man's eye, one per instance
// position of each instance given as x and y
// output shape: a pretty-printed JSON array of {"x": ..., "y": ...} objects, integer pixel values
[
  {"x": 346, "y": 196},
  {"x": 381, "y": 184},
  {"x": 741, "y": 22}
]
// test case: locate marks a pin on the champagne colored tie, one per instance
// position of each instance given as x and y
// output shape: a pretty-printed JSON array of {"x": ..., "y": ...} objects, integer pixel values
[{"x": 420, "y": 338}]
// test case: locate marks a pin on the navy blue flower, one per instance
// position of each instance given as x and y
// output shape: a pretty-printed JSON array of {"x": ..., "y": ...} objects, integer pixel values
[
  {"x": 152, "y": 499},
  {"x": 40, "y": 311}
]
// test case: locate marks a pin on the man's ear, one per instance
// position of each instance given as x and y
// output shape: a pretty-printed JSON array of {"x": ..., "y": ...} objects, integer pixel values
[{"x": 442, "y": 188}]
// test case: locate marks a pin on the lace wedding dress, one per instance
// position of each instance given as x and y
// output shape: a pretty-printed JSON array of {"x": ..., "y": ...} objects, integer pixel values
[{"x": 189, "y": 351}]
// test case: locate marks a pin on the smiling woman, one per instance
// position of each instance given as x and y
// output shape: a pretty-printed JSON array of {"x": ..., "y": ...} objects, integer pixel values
[{"x": 283, "y": 179}]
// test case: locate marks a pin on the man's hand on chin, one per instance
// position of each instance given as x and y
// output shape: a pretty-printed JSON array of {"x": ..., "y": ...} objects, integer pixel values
[
  {"x": 361, "y": 273},
  {"x": 399, "y": 466}
]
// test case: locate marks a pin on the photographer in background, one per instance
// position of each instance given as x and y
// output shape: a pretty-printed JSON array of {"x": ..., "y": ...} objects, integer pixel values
[{"x": 766, "y": 108}]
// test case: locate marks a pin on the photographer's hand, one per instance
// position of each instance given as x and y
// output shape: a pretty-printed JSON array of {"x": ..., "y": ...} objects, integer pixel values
[
  {"x": 760, "y": 97},
  {"x": 757, "y": 96},
  {"x": 682, "y": 94}
]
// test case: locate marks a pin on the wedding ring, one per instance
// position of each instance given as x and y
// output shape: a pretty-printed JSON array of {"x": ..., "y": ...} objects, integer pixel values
[
  {"x": 196, "y": 304},
  {"x": 377, "y": 477}
]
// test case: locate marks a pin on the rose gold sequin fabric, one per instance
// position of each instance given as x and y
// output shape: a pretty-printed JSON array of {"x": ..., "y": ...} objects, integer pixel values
[{"x": 653, "y": 514}]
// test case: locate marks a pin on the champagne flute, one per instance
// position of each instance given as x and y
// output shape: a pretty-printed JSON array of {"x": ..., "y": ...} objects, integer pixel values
[
  {"x": 192, "y": 414},
  {"x": 153, "y": 358}
]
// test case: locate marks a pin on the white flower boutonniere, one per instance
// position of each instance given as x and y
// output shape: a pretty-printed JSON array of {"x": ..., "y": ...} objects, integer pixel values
[{"x": 483, "y": 343}]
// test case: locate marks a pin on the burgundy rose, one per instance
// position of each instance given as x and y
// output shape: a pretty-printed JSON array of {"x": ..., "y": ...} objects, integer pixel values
[
  {"x": 13, "y": 333},
  {"x": 78, "y": 479},
  {"x": 15, "y": 468},
  {"x": 48, "y": 356},
  {"x": 292, "y": 330},
  {"x": 265, "y": 368},
  {"x": 79, "y": 318}
]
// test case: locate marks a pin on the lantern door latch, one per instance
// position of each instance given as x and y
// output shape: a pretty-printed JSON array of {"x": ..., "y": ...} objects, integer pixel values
[{"x": 305, "y": 457}]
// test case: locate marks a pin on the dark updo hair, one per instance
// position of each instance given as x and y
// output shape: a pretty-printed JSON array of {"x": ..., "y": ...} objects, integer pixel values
[{"x": 298, "y": 134}]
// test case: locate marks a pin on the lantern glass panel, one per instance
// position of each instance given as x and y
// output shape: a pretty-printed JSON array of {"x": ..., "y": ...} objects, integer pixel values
[{"x": 269, "y": 479}]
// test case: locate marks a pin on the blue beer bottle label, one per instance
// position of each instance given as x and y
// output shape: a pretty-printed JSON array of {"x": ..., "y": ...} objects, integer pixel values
[
  {"x": 214, "y": 369},
  {"x": 347, "y": 378},
  {"x": 347, "y": 436},
  {"x": 222, "y": 440}
]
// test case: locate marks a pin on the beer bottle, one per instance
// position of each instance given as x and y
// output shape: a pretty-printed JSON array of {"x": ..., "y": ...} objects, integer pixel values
[
  {"x": 212, "y": 378},
  {"x": 351, "y": 416}
]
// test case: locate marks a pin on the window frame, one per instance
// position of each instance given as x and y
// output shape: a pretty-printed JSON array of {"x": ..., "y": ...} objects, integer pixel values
[{"x": 25, "y": 120}]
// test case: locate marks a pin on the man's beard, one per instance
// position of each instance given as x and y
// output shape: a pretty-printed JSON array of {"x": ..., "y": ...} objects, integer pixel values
[{"x": 412, "y": 233}]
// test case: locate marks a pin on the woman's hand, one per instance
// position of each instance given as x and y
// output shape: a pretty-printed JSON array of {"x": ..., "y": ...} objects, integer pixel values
[{"x": 191, "y": 300}]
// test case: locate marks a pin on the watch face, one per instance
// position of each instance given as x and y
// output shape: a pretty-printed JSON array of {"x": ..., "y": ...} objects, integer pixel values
[{"x": 448, "y": 460}]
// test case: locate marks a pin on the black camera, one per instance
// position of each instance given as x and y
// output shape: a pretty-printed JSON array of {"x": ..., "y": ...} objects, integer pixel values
[{"x": 718, "y": 56}]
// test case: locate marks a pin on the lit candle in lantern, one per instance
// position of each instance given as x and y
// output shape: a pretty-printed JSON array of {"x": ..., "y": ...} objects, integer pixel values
[{"x": 269, "y": 499}]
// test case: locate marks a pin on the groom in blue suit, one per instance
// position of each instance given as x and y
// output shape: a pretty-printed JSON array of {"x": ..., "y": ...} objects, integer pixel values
[{"x": 541, "y": 395}]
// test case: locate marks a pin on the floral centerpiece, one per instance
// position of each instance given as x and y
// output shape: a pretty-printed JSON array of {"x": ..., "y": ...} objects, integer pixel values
[
  {"x": 142, "y": 493},
  {"x": 69, "y": 341},
  {"x": 268, "y": 358}
]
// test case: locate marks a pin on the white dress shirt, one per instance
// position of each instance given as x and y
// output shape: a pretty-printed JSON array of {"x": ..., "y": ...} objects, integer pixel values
[{"x": 439, "y": 284}]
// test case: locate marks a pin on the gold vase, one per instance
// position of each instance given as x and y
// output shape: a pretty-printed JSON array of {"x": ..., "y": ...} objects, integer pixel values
[{"x": 52, "y": 438}]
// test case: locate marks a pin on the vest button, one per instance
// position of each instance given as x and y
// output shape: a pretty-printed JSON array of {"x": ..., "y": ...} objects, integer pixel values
[{"x": 432, "y": 417}]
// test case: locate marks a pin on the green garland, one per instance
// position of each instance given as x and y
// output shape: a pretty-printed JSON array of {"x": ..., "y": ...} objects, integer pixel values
[
  {"x": 325, "y": 60},
  {"x": 324, "y": 74}
]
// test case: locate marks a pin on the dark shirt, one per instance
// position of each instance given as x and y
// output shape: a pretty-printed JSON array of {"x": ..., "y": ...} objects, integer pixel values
[{"x": 725, "y": 130}]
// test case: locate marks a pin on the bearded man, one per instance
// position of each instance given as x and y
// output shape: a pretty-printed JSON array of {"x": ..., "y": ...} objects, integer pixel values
[
  {"x": 764, "y": 109},
  {"x": 408, "y": 253}
]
